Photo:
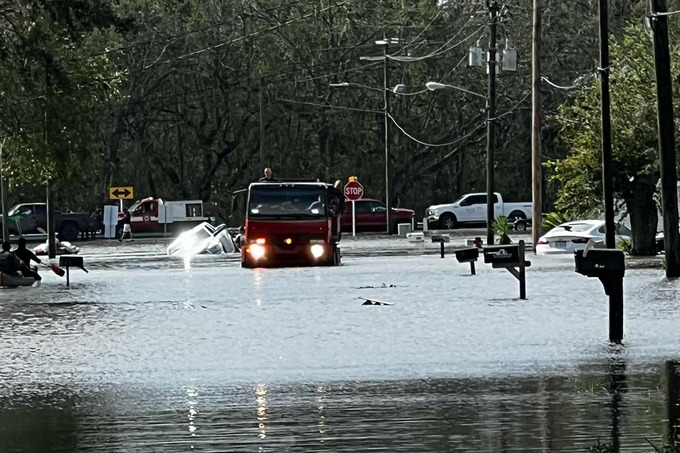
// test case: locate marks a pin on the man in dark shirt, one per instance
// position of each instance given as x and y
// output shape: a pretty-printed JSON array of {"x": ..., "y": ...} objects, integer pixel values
[
  {"x": 10, "y": 264},
  {"x": 24, "y": 254},
  {"x": 268, "y": 176}
]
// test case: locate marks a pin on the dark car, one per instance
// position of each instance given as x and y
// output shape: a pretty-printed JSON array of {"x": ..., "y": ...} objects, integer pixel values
[{"x": 370, "y": 216}]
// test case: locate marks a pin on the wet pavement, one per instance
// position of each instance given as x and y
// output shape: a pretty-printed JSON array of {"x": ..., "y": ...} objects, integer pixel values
[{"x": 149, "y": 353}]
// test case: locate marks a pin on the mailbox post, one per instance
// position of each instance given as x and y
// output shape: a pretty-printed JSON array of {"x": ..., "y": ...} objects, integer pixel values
[
  {"x": 71, "y": 261},
  {"x": 468, "y": 255},
  {"x": 509, "y": 257},
  {"x": 441, "y": 238},
  {"x": 609, "y": 266}
]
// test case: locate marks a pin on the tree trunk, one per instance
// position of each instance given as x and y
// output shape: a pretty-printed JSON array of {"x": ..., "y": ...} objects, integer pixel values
[{"x": 643, "y": 217}]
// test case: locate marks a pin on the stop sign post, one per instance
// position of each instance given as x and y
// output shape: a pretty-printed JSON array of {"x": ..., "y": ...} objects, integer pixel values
[{"x": 354, "y": 191}]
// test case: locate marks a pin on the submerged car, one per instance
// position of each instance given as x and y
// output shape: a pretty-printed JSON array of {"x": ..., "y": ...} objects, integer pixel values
[
  {"x": 571, "y": 236},
  {"x": 203, "y": 239}
]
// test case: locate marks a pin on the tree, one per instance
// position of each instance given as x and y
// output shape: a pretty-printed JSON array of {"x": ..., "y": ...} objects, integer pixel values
[
  {"x": 53, "y": 78},
  {"x": 634, "y": 140}
]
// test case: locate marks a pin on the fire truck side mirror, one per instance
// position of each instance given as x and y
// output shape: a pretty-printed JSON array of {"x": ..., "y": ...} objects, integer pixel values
[{"x": 234, "y": 203}]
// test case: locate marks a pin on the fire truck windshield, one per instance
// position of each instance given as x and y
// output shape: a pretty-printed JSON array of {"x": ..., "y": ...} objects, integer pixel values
[{"x": 277, "y": 201}]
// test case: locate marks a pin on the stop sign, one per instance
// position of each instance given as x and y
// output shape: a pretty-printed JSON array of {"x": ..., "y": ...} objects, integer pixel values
[{"x": 354, "y": 190}]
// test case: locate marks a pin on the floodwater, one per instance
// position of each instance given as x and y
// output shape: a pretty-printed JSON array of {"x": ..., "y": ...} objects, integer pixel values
[{"x": 147, "y": 353}]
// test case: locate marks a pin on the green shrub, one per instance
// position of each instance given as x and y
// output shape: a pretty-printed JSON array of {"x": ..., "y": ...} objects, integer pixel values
[
  {"x": 626, "y": 245},
  {"x": 502, "y": 227},
  {"x": 553, "y": 219}
]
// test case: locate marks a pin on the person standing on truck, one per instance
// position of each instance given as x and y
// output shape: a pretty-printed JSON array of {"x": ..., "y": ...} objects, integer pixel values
[
  {"x": 268, "y": 176},
  {"x": 126, "y": 226}
]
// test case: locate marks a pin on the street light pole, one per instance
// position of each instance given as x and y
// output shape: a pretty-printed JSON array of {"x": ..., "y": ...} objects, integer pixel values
[
  {"x": 491, "y": 121},
  {"x": 386, "y": 99}
]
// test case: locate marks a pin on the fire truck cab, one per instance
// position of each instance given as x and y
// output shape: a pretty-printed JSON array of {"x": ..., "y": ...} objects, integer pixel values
[{"x": 291, "y": 224}]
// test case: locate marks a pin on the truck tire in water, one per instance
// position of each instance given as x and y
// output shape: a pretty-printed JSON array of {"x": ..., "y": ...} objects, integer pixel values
[
  {"x": 69, "y": 231},
  {"x": 448, "y": 221},
  {"x": 517, "y": 215}
]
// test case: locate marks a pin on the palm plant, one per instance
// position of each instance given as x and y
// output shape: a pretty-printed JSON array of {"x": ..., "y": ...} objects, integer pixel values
[{"x": 502, "y": 227}]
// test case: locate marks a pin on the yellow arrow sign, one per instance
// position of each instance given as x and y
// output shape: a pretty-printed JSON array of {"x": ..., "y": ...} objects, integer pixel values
[{"x": 121, "y": 193}]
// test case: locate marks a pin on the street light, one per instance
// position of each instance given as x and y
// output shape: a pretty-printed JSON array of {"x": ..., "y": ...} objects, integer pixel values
[
  {"x": 399, "y": 88},
  {"x": 433, "y": 86},
  {"x": 386, "y": 113},
  {"x": 506, "y": 60}
]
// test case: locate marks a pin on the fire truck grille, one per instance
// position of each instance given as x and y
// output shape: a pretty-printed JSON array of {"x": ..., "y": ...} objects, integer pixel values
[{"x": 290, "y": 241}]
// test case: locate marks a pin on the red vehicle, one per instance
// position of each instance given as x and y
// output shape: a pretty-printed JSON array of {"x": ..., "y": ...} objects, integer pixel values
[
  {"x": 291, "y": 223},
  {"x": 370, "y": 216}
]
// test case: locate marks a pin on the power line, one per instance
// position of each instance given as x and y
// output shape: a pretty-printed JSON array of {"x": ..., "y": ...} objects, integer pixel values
[
  {"x": 241, "y": 38},
  {"x": 434, "y": 144}
]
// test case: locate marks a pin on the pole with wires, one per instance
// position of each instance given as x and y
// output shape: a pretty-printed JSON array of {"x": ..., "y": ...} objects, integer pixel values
[
  {"x": 607, "y": 184},
  {"x": 491, "y": 120},
  {"x": 386, "y": 99},
  {"x": 667, "y": 159},
  {"x": 536, "y": 169}
]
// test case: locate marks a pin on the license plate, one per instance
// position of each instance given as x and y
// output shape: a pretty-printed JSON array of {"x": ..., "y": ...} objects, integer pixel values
[{"x": 561, "y": 244}]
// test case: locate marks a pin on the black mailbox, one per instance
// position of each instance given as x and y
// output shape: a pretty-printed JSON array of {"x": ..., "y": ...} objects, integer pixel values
[
  {"x": 501, "y": 255},
  {"x": 441, "y": 238},
  {"x": 600, "y": 263},
  {"x": 71, "y": 261},
  {"x": 467, "y": 255}
]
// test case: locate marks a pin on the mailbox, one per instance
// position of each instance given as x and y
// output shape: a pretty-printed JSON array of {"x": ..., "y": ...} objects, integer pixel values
[
  {"x": 600, "y": 263},
  {"x": 467, "y": 255},
  {"x": 441, "y": 238},
  {"x": 501, "y": 255},
  {"x": 71, "y": 261}
]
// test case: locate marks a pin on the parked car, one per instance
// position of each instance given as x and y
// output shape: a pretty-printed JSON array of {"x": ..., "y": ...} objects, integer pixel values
[
  {"x": 370, "y": 216},
  {"x": 471, "y": 208},
  {"x": 571, "y": 236}
]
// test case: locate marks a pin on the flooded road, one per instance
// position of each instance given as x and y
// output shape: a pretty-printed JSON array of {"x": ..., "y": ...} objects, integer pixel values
[{"x": 146, "y": 354}]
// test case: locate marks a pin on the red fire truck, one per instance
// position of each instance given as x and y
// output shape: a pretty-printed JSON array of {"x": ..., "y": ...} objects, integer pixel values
[{"x": 291, "y": 223}]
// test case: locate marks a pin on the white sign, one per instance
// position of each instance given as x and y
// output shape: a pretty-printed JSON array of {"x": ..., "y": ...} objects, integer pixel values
[
  {"x": 165, "y": 213},
  {"x": 110, "y": 221}
]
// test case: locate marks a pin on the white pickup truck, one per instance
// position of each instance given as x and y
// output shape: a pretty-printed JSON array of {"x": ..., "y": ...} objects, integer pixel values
[{"x": 471, "y": 208}]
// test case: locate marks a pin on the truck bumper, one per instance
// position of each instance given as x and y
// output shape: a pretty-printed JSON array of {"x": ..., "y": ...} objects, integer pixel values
[
  {"x": 432, "y": 221},
  {"x": 253, "y": 255}
]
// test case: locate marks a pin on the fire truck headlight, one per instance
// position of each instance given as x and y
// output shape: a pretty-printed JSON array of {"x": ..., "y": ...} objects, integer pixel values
[
  {"x": 317, "y": 250},
  {"x": 256, "y": 251}
]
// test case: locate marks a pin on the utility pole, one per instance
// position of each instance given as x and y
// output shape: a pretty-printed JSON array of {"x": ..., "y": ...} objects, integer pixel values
[
  {"x": 536, "y": 168},
  {"x": 491, "y": 120},
  {"x": 262, "y": 153},
  {"x": 386, "y": 106},
  {"x": 51, "y": 236},
  {"x": 3, "y": 196},
  {"x": 667, "y": 160},
  {"x": 607, "y": 185}
]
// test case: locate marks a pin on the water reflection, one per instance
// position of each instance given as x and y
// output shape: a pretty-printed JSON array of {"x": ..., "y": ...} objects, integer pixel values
[
  {"x": 262, "y": 409},
  {"x": 192, "y": 395},
  {"x": 673, "y": 401},
  {"x": 320, "y": 400},
  {"x": 617, "y": 389},
  {"x": 614, "y": 404}
]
